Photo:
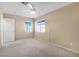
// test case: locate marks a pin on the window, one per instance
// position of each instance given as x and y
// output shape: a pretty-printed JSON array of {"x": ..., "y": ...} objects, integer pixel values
[
  {"x": 28, "y": 26},
  {"x": 40, "y": 26}
]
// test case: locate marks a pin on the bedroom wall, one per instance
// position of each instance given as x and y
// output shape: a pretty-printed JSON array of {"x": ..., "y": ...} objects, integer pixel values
[
  {"x": 62, "y": 27},
  {"x": 20, "y": 32},
  {"x": 43, "y": 36},
  {"x": 0, "y": 26},
  {"x": 19, "y": 26}
]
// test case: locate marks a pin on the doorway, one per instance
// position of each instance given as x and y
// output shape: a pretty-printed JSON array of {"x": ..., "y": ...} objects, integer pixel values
[{"x": 8, "y": 35}]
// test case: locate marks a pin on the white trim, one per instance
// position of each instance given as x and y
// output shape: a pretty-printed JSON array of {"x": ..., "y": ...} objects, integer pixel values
[
  {"x": 69, "y": 49},
  {"x": 60, "y": 46},
  {"x": 1, "y": 28},
  {"x": 39, "y": 0},
  {"x": 3, "y": 42}
]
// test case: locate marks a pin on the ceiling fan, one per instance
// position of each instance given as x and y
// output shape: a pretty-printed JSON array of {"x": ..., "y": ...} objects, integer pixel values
[{"x": 31, "y": 6}]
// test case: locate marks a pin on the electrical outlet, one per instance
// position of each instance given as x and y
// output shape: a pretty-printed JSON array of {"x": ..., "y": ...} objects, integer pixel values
[{"x": 70, "y": 43}]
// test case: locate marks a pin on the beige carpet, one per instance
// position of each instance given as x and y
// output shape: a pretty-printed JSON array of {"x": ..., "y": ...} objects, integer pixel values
[{"x": 34, "y": 48}]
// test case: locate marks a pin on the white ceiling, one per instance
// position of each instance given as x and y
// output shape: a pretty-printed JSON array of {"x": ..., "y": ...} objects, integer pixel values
[{"x": 16, "y": 8}]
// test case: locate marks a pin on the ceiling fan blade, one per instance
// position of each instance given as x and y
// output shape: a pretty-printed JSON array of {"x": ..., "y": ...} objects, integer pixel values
[
  {"x": 25, "y": 3},
  {"x": 31, "y": 6}
]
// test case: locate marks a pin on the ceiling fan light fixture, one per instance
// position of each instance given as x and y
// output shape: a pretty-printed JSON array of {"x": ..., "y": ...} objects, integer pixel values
[
  {"x": 30, "y": 6},
  {"x": 33, "y": 12}
]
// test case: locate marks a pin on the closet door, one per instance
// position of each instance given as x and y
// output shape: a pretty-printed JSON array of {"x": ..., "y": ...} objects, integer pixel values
[{"x": 8, "y": 30}]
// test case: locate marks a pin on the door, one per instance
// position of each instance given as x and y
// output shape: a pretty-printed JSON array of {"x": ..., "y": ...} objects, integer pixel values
[{"x": 8, "y": 30}]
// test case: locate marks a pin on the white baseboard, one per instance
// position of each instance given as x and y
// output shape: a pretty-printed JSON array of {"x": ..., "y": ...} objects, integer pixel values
[
  {"x": 66, "y": 48},
  {"x": 62, "y": 47}
]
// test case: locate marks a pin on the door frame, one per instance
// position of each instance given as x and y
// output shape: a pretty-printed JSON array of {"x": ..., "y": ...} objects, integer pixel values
[{"x": 2, "y": 32}]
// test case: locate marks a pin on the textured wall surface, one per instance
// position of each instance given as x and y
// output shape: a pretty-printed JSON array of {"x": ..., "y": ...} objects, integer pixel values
[
  {"x": 19, "y": 26},
  {"x": 62, "y": 27}
]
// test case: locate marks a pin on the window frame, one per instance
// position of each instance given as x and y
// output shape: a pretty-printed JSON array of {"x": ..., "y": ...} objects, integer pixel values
[
  {"x": 28, "y": 27},
  {"x": 39, "y": 25}
]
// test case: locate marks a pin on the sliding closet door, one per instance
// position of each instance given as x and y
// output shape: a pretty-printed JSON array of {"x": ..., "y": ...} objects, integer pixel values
[{"x": 8, "y": 30}]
